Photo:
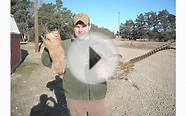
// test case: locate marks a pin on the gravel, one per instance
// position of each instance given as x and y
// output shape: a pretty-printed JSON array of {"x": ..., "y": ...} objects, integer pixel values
[{"x": 155, "y": 76}]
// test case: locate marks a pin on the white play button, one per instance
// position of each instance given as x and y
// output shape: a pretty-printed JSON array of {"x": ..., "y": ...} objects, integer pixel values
[
  {"x": 93, "y": 60},
  {"x": 93, "y": 57}
]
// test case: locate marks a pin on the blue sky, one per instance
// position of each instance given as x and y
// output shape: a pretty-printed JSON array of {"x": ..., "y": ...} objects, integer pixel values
[{"x": 105, "y": 13}]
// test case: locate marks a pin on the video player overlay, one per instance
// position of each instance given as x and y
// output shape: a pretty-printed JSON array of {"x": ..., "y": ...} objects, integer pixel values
[{"x": 94, "y": 59}]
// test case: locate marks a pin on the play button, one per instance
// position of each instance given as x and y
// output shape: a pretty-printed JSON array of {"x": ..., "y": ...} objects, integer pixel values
[
  {"x": 91, "y": 60},
  {"x": 93, "y": 57}
]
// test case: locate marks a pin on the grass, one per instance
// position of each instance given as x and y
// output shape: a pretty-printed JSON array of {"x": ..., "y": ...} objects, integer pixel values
[{"x": 26, "y": 68}]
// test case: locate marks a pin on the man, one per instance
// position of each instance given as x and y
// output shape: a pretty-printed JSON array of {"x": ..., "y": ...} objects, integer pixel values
[{"x": 83, "y": 98}]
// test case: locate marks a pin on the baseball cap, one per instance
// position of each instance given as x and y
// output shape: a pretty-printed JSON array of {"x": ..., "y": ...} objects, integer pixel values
[{"x": 81, "y": 17}]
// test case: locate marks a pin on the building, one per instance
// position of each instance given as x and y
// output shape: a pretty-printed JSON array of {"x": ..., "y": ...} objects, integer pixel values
[{"x": 15, "y": 44}]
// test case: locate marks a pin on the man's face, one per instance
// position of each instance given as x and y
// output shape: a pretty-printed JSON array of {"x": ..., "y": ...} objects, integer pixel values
[{"x": 81, "y": 31}]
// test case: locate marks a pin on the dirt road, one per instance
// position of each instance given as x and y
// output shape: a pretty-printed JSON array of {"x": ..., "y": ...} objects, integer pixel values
[{"x": 155, "y": 76}]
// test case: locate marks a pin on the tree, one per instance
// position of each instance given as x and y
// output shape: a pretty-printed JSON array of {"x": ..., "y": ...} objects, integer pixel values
[
  {"x": 172, "y": 21},
  {"x": 13, "y": 6},
  {"x": 167, "y": 25},
  {"x": 59, "y": 5},
  {"x": 54, "y": 16},
  {"x": 45, "y": 13},
  {"x": 163, "y": 20},
  {"x": 23, "y": 12},
  {"x": 152, "y": 20},
  {"x": 127, "y": 29},
  {"x": 150, "y": 25},
  {"x": 139, "y": 30}
]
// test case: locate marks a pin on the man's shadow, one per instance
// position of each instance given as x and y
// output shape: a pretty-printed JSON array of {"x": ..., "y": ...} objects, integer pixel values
[
  {"x": 43, "y": 108},
  {"x": 59, "y": 107}
]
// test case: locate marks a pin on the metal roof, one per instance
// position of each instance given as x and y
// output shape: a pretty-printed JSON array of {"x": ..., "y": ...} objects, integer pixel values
[{"x": 13, "y": 26}]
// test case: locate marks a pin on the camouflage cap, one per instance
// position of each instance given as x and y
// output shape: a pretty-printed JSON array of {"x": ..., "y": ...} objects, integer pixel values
[{"x": 81, "y": 17}]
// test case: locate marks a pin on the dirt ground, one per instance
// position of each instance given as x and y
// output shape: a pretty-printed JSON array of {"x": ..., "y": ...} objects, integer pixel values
[{"x": 31, "y": 85}]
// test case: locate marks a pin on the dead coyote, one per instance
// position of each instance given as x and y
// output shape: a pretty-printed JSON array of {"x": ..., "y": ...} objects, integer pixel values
[{"x": 53, "y": 44}]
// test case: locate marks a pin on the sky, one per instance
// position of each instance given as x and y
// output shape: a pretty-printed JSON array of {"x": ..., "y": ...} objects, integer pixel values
[{"x": 110, "y": 13}]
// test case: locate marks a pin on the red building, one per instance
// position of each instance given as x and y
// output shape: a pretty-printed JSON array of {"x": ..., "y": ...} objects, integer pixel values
[{"x": 15, "y": 44}]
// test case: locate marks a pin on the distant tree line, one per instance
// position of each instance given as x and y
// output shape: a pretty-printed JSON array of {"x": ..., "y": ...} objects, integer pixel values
[
  {"x": 150, "y": 26},
  {"x": 51, "y": 16}
]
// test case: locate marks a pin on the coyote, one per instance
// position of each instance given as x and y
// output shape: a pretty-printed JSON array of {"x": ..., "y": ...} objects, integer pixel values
[{"x": 53, "y": 44}]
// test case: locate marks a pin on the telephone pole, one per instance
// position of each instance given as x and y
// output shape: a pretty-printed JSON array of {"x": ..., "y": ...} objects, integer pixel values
[
  {"x": 36, "y": 25},
  {"x": 118, "y": 24}
]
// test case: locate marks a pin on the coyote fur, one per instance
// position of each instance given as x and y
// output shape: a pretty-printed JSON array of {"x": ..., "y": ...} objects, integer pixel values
[{"x": 53, "y": 44}]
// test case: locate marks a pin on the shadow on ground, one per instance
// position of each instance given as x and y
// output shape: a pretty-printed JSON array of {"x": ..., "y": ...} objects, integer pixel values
[
  {"x": 48, "y": 106},
  {"x": 24, "y": 54}
]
